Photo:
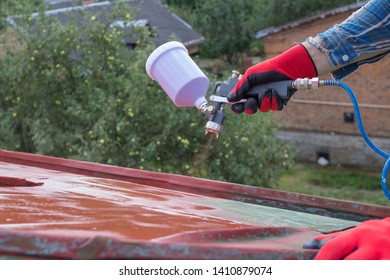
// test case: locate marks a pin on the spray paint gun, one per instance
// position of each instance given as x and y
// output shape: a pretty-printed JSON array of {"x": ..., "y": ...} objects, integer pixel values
[
  {"x": 218, "y": 99},
  {"x": 186, "y": 85}
]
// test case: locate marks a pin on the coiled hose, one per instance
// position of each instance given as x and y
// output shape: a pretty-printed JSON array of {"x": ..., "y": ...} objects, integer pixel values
[{"x": 364, "y": 134}]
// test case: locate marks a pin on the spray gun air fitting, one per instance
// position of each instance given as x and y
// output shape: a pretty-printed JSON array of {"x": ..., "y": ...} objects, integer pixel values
[{"x": 306, "y": 83}]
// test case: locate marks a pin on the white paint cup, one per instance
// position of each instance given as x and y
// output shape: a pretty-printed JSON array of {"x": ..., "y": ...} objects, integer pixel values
[{"x": 178, "y": 75}]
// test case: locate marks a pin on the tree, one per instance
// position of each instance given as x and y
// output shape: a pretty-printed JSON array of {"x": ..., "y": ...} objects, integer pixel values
[
  {"x": 248, "y": 152},
  {"x": 12, "y": 7},
  {"x": 232, "y": 27},
  {"x": 64, "y": 83},
  {"x": 276, "y": 12},
  {"x": 77, "y": 92},
  {"x": 191, "y": 4}
]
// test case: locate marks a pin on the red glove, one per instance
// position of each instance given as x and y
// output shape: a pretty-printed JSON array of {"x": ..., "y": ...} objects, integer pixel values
[
  {"x": 290, "y": 65},
  {"x": 370, "y": 240}
]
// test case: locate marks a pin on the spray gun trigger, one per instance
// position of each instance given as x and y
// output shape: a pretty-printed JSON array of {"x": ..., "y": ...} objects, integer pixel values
[{"x": 221, "y": 99}]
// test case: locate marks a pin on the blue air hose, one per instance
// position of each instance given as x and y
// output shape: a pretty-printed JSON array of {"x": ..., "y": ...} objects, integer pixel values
[{"x": 363, "y": 132}]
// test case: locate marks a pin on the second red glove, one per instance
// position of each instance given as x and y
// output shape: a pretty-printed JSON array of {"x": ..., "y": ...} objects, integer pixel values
[{"x": 369, "y": 240}]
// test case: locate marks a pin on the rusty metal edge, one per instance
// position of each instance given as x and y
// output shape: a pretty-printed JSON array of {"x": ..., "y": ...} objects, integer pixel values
[{"x": 99, "y": 248}]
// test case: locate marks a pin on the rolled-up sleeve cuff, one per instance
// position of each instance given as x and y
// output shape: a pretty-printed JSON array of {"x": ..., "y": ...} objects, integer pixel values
[{"x": 339, "y": 51}]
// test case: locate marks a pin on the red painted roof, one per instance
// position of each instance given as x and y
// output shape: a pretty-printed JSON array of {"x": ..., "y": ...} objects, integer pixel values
[{"x": 58, "y": 208}]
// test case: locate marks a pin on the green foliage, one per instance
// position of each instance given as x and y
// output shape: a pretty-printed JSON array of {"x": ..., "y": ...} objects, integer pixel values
[
  {"x": 249, "y": 152},
  {"x": 232, "y": 27},
  {"x": 352, "y": 179},
  {"x": 276, "y": 12},
  {"x": 229, "y": 26},
  {"x": 183, "y": 3},
  {"x": 61, "y": 93},
  {"x": 76, "y": 92},
  {"x": 12, "y": 7},
  {"x": 344, "y": 183}
]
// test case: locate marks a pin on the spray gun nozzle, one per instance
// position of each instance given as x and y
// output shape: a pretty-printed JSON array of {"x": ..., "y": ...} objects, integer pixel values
[{"x": 214, "y": 128}]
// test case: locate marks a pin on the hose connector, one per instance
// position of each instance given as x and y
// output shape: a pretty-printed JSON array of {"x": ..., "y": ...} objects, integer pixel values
[{"x": 306, "y": 83}]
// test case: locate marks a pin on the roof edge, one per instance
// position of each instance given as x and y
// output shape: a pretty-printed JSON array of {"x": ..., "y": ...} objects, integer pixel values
[{"x": 276, "y": 29}]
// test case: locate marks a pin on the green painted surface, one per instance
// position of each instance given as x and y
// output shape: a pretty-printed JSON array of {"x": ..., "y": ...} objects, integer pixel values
[{"x": 270, "y": 216}]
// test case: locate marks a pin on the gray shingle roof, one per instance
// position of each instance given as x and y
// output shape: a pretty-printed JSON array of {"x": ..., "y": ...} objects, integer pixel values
[{"x": 156, "y": 15}]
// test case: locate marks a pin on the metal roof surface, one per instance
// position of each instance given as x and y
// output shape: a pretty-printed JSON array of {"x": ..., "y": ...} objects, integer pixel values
[{"x": 57, "y": 208}]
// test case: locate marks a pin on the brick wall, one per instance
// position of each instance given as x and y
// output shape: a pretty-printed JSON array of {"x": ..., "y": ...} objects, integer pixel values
[{"x": 323, "y": 110}]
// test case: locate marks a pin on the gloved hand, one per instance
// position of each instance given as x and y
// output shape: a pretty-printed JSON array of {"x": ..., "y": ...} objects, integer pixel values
[
  {"x": 369, "y": 240},
  {"x": 290, "y": 65}
]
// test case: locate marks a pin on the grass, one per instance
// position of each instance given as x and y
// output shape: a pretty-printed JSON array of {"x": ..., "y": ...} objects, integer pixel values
[{"x": 344, "y": 183}]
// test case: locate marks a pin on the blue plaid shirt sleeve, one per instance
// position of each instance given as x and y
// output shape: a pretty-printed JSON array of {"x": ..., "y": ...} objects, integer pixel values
[{"x": 366, "y": 31}]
